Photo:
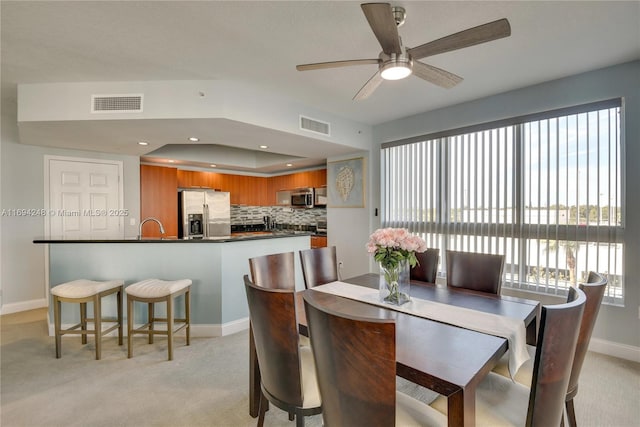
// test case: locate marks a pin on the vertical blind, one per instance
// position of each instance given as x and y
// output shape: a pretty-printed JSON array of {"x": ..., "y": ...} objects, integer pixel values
[{"x": 545, "y": 190}]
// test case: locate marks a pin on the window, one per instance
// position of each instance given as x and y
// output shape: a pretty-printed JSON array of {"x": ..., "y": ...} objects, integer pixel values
[{"x": 545, "y": 190}]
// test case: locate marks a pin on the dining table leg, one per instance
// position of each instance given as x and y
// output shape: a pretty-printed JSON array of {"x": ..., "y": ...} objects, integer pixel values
[{"x": 461, "y": 408}]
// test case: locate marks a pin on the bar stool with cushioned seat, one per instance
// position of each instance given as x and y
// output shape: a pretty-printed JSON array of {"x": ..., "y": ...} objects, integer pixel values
[
  {"x": 151, "y": 291},
  {"x": 81, "y": 292}
]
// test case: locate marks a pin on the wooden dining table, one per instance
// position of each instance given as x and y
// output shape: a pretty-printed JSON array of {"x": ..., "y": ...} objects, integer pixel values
[{"x": 447, "y": 359}]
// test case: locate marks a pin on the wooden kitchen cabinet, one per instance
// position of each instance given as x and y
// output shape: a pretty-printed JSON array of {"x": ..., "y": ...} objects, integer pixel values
[
  {"x": 251, "y": 190},
  {"x": 318, "y": 242},
  {"x": 244, "y": 189},
  {"x": 315, "y": 178},
  {"x": 197, "y": 179},
  {"x": 159, "y": 199}
]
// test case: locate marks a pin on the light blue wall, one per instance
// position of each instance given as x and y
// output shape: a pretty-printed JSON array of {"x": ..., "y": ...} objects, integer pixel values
[
  {"x": 216, "y": 269},
  {"x": 22, "y": 276},
  {"x": 234, "y": 265},
  {"x": 615, "y": 324},
  {"x": 348, "y": 228}
]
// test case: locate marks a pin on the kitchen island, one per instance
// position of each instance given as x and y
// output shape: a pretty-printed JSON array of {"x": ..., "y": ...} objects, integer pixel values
[{"x": 215, "y": 265}]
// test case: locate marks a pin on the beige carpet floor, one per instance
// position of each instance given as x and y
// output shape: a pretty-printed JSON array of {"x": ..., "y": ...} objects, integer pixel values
[{"x": 205, "y": 385}]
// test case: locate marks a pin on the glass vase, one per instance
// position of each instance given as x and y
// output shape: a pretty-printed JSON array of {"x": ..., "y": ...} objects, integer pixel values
[{"x": 394, "y": 283}]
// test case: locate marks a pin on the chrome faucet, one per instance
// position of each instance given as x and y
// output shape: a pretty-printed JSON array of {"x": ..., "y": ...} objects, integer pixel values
[{"x": 149, "y": 219}]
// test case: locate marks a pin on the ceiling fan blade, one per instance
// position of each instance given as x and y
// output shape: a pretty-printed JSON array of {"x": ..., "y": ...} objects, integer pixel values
[
  {"x": 435, "y": 75},
  {"x": 384, "y": 26},
  {"x": 473, "y": 36},
  {"x": 336, "y": 64},
  {"x": 369, "y": 87}
]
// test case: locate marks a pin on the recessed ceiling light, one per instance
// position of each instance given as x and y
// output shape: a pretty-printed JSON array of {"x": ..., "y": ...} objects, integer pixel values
[
  {"x": 194, "y": 139},
  {"x": 264, "y": 147},
  {"x": 142, "y": 143},
  {"x": 289, "y": 164},
  {"x": 171, "y": 161},
  {"x": 214, "y": 166}
]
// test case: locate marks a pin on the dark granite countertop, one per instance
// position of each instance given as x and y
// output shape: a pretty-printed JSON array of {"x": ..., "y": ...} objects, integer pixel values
[{"x": 234, "y": 237}]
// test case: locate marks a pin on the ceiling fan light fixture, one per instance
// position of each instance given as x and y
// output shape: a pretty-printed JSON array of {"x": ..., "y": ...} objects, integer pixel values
[
  {"x": 395, "y": 66},
  {"x": 395, "y": 70}
]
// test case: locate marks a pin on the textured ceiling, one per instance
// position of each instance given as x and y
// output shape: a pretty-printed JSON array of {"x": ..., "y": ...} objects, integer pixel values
[{"x": 261, "y": 42}]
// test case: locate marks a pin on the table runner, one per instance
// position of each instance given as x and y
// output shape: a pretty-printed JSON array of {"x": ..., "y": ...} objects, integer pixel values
[{"x": 493, "y": 324}]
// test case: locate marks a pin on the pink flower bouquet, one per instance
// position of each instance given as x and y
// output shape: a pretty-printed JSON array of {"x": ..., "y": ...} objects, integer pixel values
[
  {"x": 390, "y": 246},
  {"x": 395, "y": 249}
]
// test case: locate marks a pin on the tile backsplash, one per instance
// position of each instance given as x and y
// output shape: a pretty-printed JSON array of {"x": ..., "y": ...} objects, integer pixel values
[{"x": 243, "y": 214}]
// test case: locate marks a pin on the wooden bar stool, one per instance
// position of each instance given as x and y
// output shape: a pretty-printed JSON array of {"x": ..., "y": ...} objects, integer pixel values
[
  {"x": 151, "y": 291},
  {"x": 81, "y": 292}
]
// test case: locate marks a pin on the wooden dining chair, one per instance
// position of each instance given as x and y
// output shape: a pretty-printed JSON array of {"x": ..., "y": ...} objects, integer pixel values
[
  {"x": 427, "y": 268},
  {"x": 288, "y": 374},
  {"x": 319, "y": 266},
  {"x": 356, "y": 367},
  {"x": 594, "y": 290},
  {"x": 275, "y": 271},
  {"x": 475, "y": 271},
  {"x": 501, "y": 401}
]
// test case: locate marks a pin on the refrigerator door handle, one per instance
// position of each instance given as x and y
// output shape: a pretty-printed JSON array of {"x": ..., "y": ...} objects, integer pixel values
[{"x": 205, "y": 228}]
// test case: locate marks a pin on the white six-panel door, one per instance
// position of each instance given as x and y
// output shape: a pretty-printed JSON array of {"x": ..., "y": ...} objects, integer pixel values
[{"x": 85, "y": 198}]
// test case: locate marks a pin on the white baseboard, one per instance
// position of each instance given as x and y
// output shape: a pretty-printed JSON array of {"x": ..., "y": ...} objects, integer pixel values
[
  {"x": 230, "y": 328},
  {"x": 197, "y": 330},
  {"x": 17, "y": 307},
  {"x": 621, "y": 351}
]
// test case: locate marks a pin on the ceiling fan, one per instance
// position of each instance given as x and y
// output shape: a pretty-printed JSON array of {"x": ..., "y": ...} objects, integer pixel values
[{"x": 397, "y": 62}]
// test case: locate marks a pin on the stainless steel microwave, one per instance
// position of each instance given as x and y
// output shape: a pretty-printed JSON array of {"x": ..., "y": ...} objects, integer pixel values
[{"x": 302, "y": 198}]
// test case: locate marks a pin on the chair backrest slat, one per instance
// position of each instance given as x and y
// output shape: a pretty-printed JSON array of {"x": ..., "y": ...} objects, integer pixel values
[
  {"x": 557, "y": 338},
  {"x": 275, "y": 334},
  {"x": 594, "y": 291},
  {"x": 276, "y": 271},
  {"x": 356, "y": 366},
  {"x": 427, "y": 268},
  {"x": 475, "y": 271},
  {"x": 319, "y": 266}
]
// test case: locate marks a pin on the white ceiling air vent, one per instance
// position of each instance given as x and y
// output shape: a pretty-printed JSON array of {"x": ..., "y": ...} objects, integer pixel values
[
  {"x": 130, "y": 103},
  {"x": 315, "y": 126}
]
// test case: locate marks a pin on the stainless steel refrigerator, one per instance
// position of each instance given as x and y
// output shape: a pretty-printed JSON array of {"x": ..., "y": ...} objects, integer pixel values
[{"x": 203, "y": 214}]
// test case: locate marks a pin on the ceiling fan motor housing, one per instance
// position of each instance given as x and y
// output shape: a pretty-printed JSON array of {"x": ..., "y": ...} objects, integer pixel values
[{"x": 399, "y": 14}]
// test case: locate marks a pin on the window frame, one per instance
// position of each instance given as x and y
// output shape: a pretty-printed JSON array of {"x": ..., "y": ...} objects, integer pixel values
[{"x": 524, "y": 232}]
